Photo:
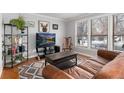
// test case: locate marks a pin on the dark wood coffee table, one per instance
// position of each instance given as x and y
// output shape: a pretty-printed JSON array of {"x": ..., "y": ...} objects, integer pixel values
[{"x": 61, "y": 58}]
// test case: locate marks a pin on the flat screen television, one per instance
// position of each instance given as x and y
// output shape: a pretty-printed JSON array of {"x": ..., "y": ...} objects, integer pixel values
[{"x": 45, "y": 39}]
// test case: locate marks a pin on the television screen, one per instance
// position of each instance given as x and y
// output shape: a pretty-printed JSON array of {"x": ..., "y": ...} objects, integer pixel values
[{"x": 45, "y": 39}]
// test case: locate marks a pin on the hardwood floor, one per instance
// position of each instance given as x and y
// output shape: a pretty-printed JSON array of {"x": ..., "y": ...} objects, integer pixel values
[{"x": 12, "y": 73}]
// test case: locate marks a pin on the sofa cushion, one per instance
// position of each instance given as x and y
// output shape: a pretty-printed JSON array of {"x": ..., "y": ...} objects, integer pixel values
[
  {"x": 106, "y": 54},
  {"x": 114, "y": 69},
  {"x": 91, "y": 66},
  {"x": 79, "y": 73},
  {"x": 99, "y": 60}
]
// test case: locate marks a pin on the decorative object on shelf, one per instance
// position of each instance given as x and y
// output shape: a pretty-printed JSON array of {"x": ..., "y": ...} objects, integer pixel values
[
  {"x": 19, "y": 22},
  {"x": 9, "y": 51},
  {"x": 14, "y": 40},
  {"x": 55, "y": 26},
  {"x": 20, "y": 40},
  {"x": 21, "y": 48},
  {"x": 43, "y": 26},
  {"x": 14, "y": 50},
  {"x": 30, "y": 23},
  {"x": 18, "y": 58}
]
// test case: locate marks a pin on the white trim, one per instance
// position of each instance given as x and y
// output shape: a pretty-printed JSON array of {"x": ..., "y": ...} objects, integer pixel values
[
  {"x": 1, "y": 61},
  {"x": 33, "y": 56},
  {"x": 89, "y": 34},
  {"x": 110, "y": 32},
  {"x": 75, "y": 34},
  {"x": 76, "y": 22},
  {"x": 1, "y": 70}
]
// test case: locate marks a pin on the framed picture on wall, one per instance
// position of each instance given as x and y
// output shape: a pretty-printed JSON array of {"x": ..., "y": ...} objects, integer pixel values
[
  {"x": 55, "y": 26},
  {"x": 30, "y": 23},
  {"x": 43, "y": 26}
]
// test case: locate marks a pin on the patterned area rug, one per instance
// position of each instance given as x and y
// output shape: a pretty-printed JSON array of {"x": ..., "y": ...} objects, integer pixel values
[
  {"x": 34, "y": 70},
  {"x": 31, "y": 71}
]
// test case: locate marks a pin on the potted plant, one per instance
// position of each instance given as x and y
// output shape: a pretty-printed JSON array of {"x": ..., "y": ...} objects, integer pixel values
[
  {"x": 19, "y": 22},
  {"x": 18, "y": 58}
]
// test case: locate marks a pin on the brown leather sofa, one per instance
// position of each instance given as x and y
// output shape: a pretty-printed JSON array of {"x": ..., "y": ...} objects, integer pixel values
[{"x": 106, "y": 64}]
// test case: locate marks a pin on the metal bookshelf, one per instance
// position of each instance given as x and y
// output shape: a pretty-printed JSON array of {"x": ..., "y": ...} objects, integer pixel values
[{"x": 20, "y": 54}]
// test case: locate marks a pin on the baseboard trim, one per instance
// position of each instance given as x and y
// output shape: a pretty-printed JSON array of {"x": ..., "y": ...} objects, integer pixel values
[{"x": 1, "y": 70}]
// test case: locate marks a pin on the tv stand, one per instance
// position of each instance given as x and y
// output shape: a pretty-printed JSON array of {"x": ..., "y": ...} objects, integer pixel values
[{"x": 42, "y": 51}]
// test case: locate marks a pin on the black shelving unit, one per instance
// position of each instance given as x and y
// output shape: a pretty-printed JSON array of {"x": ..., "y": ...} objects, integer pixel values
[
  {"x": 14, "y": 52},
  {"x": 42, "y": 51}
]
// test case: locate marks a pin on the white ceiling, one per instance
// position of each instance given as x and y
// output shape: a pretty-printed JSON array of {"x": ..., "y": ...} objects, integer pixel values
[
  {"x": 62, "y": 15},
  {"x": 68, "y": 16}
]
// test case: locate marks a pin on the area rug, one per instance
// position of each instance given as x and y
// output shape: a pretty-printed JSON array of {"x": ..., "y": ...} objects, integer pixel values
[
  {"x": 31, "y": 71},
  {"x": 34, "y": 70}
]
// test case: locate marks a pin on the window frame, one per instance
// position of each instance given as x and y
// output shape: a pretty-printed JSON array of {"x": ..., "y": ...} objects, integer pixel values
[
  {"x": 98, "y": 35},
  {"x": 81, "y": 21},
  {"x": 110, "y": 34},
  {"x": 114, "y": 28}
]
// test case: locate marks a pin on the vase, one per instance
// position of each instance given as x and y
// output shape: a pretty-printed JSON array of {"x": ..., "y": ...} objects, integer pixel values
[{"x": 22, "y": 31}]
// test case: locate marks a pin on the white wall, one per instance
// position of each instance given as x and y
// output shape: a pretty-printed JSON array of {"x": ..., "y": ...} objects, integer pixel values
[
  {"x": 60, "y": 33},
  {"x": 1, "y": 62},
  {"x": 71, "y": 31}
]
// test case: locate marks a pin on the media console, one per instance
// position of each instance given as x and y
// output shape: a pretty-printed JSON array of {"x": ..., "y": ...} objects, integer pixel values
[{"x": 42, "y": 51}]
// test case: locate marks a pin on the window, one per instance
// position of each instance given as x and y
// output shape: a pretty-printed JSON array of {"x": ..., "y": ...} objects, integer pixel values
[
  {"x": 119, "y": 32},
  {"x": 99, "y": 33},
  {"x": 82, "y": 33}
]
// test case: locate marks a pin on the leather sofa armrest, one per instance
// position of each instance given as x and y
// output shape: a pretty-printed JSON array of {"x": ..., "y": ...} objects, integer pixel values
[
  {"x": 52, "y": 72},
  {"x": 108, "y": 55},
  {"x": 112, "y": 70}
]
